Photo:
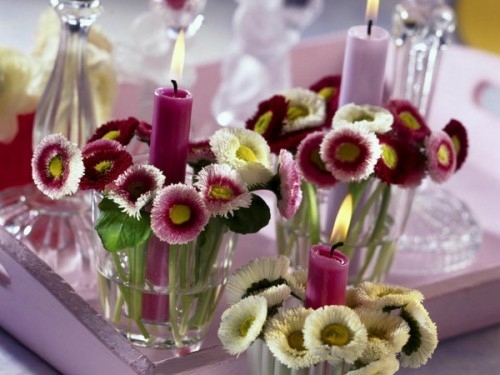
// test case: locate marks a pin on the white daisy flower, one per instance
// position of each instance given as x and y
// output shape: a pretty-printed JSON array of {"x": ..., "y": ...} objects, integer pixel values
[
  {"x": 336, "y": 333},
  {"x": 423, "y": 336},
  {"x": 380, "y": 296},
  {"x": 387, "y": 334},
  {"x": 256, "y": 276},
  {"x": 223, "y": 189},
  {"x": 57, "y": 166},
  {"x": 305, "y": 109},
  {"x": 285, "y": 339},
  {"x": 242, "y": 323},
  {"x": 372, "y": 118},
  {"x": 387, "y": 365},
  {"x": 297, "y": 280},
  {"x": 244, "y": 150},
  {"x": 276, "y": 294},
  {"x": 136, "y": 187}
]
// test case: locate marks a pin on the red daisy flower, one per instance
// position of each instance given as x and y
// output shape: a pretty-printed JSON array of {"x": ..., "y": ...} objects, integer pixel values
[
  {"x": 200, "y": 153},
  {"x": 269, "y": 119},
  {"x": 143, "y": 132},
  {"x": 310, "y": 163},
  {"x": 329, "y": 88},
  {"x": 401, "y": 162},
  {"x": 102, "y": 168},
  {"x": 441, "y": 156},
  {"x": 407, "y": 120},
  {"x": 118, "y": 130},
  {"x": 458, "y": 136}
]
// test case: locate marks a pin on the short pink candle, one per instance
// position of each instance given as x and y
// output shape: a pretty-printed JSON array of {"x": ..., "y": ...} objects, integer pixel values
[
  {"x": 363, "y": 71},
  {"x": 170, "y": 133},
  {"x": 326, "y": 277}
]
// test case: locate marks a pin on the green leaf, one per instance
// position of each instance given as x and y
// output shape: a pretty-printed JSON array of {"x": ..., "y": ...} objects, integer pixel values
[
  {"x": 250, "y": 219},
  {"x": 119, "y": 231}
]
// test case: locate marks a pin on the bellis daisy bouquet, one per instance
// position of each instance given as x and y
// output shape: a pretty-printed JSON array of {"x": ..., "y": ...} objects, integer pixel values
[
  {"x": 381, "y": 327},
  {"x": 226, "y": 172},
  {"x": 373, "y": 150}
]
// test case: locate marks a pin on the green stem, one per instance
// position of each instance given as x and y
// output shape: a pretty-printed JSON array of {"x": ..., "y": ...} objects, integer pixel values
[
  {"x": 172, "y": 292},
  {"x": 137, "y": 274},
  {"x": 311, "y": 201}
]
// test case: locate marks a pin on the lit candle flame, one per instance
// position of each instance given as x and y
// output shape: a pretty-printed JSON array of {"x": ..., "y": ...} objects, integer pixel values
[
  {"x": 177, "y": 64},
  {"x": 371, "y": 10},
  {"x": 342, "y": 221}
]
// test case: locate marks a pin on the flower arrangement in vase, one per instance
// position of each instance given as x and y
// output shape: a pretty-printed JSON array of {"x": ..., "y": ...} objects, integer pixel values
[
  {"x": 380, "y": 328},
  {"x": 377, "y": 154},
  {"x": 196, "y": 221}
]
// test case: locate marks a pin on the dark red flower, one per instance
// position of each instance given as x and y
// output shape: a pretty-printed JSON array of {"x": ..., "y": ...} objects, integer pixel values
[
  {"x": 269, "y": 119},
  {"x": 458, "y": 135},
  {"x": 118, "y": 130},
  {"x": 102, "y": 168},
  {"x": 200, "y": 154},
  {"x": 143, "y": 132},
  {"x": 329, "y": 88},
  {"x": 407, "y": 120}
]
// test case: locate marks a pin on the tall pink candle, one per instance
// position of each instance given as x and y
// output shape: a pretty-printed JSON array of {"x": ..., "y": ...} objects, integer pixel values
[
  {"x": 170, "y": 133},
  {"x": 326, "y": 277}
]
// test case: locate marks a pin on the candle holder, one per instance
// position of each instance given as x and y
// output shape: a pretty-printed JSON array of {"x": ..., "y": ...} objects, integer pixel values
[
  {"x": 60, "y": 232},
  {"x": 442, "y": 234}
]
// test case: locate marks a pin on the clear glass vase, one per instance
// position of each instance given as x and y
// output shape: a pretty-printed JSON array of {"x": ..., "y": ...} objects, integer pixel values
[
  {"x": 60, "y": 232},
  {"x": 184, "y": 305}
]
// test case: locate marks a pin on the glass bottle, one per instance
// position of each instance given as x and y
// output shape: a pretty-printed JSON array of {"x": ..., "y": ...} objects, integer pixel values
[{"x": 60, "y": 231}]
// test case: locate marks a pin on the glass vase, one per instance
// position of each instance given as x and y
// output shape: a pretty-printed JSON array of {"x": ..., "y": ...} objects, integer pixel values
[
  {"x": 295, "y": 236},
  {"x": 380, "y": 214},
  {"x": 174, "y": 311},
  {"x": 260, "y": 361},
  {"x": 60, "y": 232}
]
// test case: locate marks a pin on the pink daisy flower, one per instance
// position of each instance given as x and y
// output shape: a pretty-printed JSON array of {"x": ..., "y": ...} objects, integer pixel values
[
  {"x": 103, "y": 167},
  {"x": 222, "y": 189},
  {"x": 57, "y": 166},
  {"x": 121, "y": 131},
  {"x": 135, "y": 187},
  {"x": 310, "y": 163},
  {"x": 350, "y": 153},
  {"x": 290, "y": 193},
  {"x": 458, "y": 136},
  {"x": 179, "y": 214},
  {"x": 200, "y": 153},
  {"x": 101, "y": 145},
  {"x": 441, "y": 156}
]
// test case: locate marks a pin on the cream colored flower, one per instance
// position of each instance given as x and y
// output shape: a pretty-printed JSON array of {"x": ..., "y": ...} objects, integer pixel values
[
  {"x": 17, "y": 94},
  {"x": 387, "y": 334},
  {"x": 375, "y": 119},
  {"x": 335, "y": 333},
  {"x": 423, "y": 336},
  {"x": 305, "y": 109},
  {"x": 242, "y": 323},
  {"x": 275, "y": 295},
  {"x": 387, "y": 365},
  {"x": 381, "y": 296},
  {"x": 285, "y": 339},
  {"x": 297, "y": 280},
  {"x": 246, "y": 151},
  {"x": 256, "y": 276}
]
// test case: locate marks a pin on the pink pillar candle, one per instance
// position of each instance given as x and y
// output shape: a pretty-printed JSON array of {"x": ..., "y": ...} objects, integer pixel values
[
  {"x": 326, "y": 277},
  {"x": 363, "y": 71},
  {"x": 170, "y": 133}
]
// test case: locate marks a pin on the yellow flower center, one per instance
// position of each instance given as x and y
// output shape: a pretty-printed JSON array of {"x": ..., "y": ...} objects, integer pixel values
[
  {"x": 327, "y": 92},
  {"x": 335, "y": 335},
  {"x": 296, "y": 341},
  {"x": 180, "y": 214},
  {"x": 296, "y": 111},
  {"x": 221, "y": 192},
  {"x": 245, "y": 325},
  {"x": 409, "y": 120},
  {"x": 317, "y": 161},
  {"x": 246, "y": 153},
  {"x": 103, "y": 166},
  {"x": 112, "y": 134},
  {"x": 263, "y": 122},
  {"x": 348, "y": 152},
  {"x": 56, "y": 166},
  {"x": 390, "y": 156},
  {"x": 443, "y": 155}
]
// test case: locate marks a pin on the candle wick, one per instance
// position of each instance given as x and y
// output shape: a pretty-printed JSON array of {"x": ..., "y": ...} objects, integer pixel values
[
  {"x": 335, "y": 246},
  {"x": 174, "y": 83},
  {"x": 369, "y": 29}
]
